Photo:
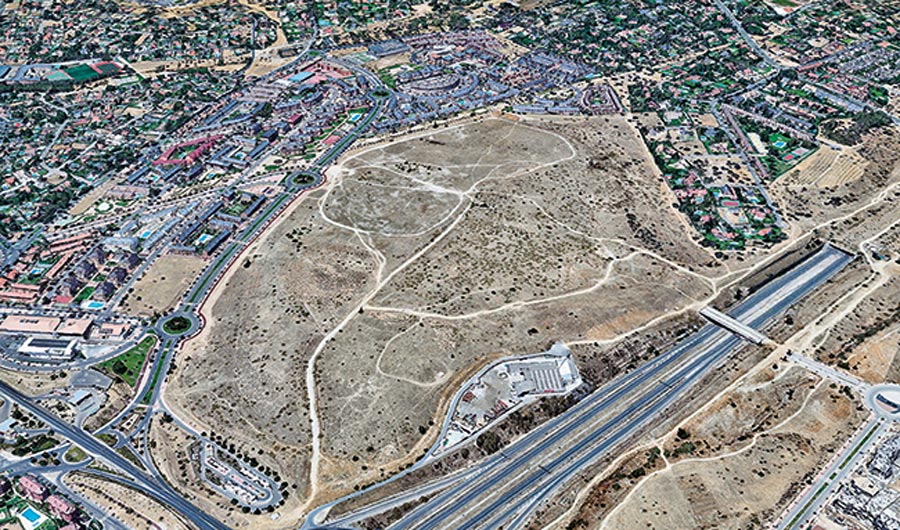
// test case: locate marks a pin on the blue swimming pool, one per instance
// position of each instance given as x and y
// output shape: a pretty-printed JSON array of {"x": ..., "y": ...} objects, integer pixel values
[{"x": 31, "y": 515}]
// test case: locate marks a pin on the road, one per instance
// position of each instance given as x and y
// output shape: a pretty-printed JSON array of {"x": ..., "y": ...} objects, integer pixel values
[
  {"x": 160, "y": 491},
  {"x": 736, "y": 24},
  {"x": 841, "y": 466},
  {"x": 828, "y": 372},
  {"x": 511, "y": 484}
]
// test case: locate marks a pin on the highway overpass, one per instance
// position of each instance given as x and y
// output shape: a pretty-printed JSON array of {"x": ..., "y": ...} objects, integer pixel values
[{"x": 510, "y": 485}]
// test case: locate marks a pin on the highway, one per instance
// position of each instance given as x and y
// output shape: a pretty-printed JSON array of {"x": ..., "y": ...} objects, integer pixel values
[
  {"x": 158, "y": 490},
  {"x": 511, "y": 484},
  {"x": 151, "y": 387}
]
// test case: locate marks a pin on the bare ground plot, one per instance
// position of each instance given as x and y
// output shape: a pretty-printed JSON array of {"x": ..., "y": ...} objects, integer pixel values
[
  {"x": 163, "y": 284},
  {"x": 124, "y": 504},
  {"x": 610, "y": 190},
  {"x": 86, "y": 202},
  {"x": 764, "y": 401},
  {"x": 458, "y": 157},
  {"x": 550, "y": 230},
  {"x": 875, "y": 360},
  {"x": 243, "y": 377},
  {"x": 749, "y": 485},
  {"x": 361, "y": 202},
  {"x": 33, "y": 383},
  {"x": 806, "y": 205},
  {"x": 828, "y": 168}
]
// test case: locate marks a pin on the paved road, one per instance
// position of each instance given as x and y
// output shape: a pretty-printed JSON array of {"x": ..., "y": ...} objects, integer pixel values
[
  {"x": 762, "y": 54},
  {"x": 821, "y": 490},
  {"x": 511, "y": 484},
  {"x": 828, "y": 372},
  {"x": 159, "y": 491}
]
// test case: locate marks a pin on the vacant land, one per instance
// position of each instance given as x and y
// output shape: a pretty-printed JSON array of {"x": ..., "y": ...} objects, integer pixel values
[
  {"x": 163, "y": 284},
  {"x": 421, "y": 261},
  {"x": 243, "y": 376},
  {"x": 124, "y": 504},
  {"x": 35, "y": 383},
  {"x": 558, "y": 247},
  {"x": 829, "y": 167},
  {"x": 739, "y": 465},
  {"x": 818, "y": 191}
]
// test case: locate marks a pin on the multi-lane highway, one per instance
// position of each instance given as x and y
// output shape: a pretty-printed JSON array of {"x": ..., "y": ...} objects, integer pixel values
[
  {"x": 510, "y": 485},
  {"x": 156, "y": 489}
]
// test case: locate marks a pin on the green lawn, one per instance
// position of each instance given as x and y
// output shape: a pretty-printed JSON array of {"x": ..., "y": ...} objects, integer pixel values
[
  {"x": 84, "y": 295},
  {"x": 75, "y": 454},
  {"x": 81, "y": 72},
  {"x": 127, "y": 366}
]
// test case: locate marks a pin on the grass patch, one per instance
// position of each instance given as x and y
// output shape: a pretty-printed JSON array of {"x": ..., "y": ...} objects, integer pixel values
[
  {"x": 107, "y": 438},
  {"x": 75, "y": 454},
  {"x": 153, "y": 382},
  {"x": 127, "y": 366},
  {"x": 83, "y": 295},
  {"x": 177, "y": 325}
]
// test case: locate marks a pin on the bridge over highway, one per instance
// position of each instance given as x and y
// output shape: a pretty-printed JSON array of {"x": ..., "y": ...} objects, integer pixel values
[
  {"x": 733, "y": 325},
  {"x": 506, "y": 488}
]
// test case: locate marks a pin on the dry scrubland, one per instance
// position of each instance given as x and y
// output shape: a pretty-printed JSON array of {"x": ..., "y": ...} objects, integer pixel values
[
  {"x": 35, "y": 383},
  {"x": 124, "y": 504},
  {"x": 740, "y": 462},
  {"x": 745, "y": 455},
  {"x": 524, "y": 233},
  {"x": 243, "y": 377},
  {"x": 161, "y": 286},
  {"x": 811, "y": 194},
  {"x": 524, "y": 264}
]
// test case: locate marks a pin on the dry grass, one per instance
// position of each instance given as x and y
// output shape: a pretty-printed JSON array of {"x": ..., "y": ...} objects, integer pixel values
[
  {"x": 163, "y": 284},
  {"x": 523, "y": 233},
  {"x": 134, "y": 509},
  {"x": 747, "y": 484}
]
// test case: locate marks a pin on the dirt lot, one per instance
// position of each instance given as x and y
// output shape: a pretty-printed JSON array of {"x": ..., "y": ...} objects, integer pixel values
[
  {"x": 163, "y": 284},
  {"x": 118, "y": 397},
  {"x": 124, "y": 504},
  {"x": 462, "y": 244},
  {"x": 746, "y": 480}
]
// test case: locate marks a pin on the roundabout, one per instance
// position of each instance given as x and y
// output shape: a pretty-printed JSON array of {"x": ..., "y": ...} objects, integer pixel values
[
  {"x": 884, "y": 400},
  {"x": 302, "y": 180},
  {"x": 178, "y": 325}
]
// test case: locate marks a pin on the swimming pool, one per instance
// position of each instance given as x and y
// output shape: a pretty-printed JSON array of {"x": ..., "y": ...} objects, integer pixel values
[
  {"x": 31, "y": 515},
  {"x": 93, "y": 304}
]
